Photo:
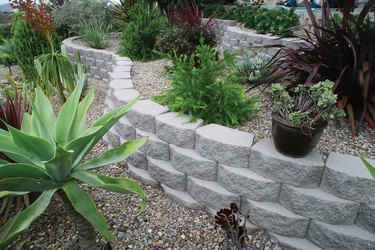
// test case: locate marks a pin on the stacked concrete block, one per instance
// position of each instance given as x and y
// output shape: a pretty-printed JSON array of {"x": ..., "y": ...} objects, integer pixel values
[{"x": 302, "y": 203}]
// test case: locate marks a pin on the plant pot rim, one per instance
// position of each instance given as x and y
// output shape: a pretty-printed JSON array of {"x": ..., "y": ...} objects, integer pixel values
[{"x": 278, "y": 119}]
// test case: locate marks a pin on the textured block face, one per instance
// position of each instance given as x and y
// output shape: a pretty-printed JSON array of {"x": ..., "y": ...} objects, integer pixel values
[
  {"x": 176, "y": 129},
  {"x": 347, "y": 177},
  {"x": 113, "y": 138},
  {"x": 248, "y": 184},
  {"x": 225, "y": 145},
  {"x": 143, "y": 114},
  {"x": 181, "y": 197},
  {"x": 121, "y": 84},
  {"x": 293, "y": 243},
  {"x": 210, "y": 193},
  {"x": 138, "y": 159},
  {"x": 366, "y": 218},
  {"x": 125, "y": 129},
  {"x": 275, "y": 218},
  {"x": 163, "y": 172},
  {"x": 189, "y": 162},
  {"x": 347, "y": 237},
  {"x": 142, "y": 176},
  {"x": 316, "y": 204},
  {"x": 154, "y": 147},
  {"x": 124, "y": 96},
  {"x": 300, "y": 172}
]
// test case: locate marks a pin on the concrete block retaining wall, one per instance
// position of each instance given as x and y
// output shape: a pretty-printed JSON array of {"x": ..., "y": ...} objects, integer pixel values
[{"x": 303, "y": 203}]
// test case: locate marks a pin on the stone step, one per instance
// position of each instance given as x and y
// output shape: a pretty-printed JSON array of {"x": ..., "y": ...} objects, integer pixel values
[
  {"x": 347, "y": 177},
  {"x": 177, "y": 129},
  {"x": 142, "y": 176},
  {"x": 124, "y": 128},
  {"x": 300, "y": 172},
  {"x": 122, "y": 68},
  {"x": 366, "y": 218},
  {"x": 143, "y": 114},
  {"x": 165, "y": 173},
  {"x": 275, "y": 218},
  {"x": 121, "y": 84},
  {"x": 248, "y": 184},
  {"x": 225, "y": 145},
  {"x": 293, "y": 243},
  {"x": 138, "y": 159},
  {"x": 316, "y": 204},
  {"x": 119, "y": 75},
  {"x": 210, "y": 193},
  {"x": 345, "y": 237},
  {"x": 124, "y": 96},
  {"x": 154, "y": 147},
  {"x": 181, "y": 197},
  {"x": 192, "y": 164}
]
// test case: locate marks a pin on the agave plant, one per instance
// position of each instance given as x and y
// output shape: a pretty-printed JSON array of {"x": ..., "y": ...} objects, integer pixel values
[
  {"x": 49, "y": 153},
  {"x": 342, "y": 52}
]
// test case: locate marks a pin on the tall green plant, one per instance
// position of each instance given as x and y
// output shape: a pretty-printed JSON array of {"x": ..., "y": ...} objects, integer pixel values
[
  {"x": 50, "y": 153},
  {"x": 139, "y": 36},
  {"x": 205, "y": 87}
]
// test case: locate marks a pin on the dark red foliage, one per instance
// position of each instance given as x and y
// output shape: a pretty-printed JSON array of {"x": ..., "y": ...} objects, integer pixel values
[
  {"x": 343, "y": 52},
  {"x": 38, "y": 16},
  {"x": 191, "y": 15}
]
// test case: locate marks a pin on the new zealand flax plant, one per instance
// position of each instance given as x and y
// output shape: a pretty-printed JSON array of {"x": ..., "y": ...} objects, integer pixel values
[
  {"x": 50, "y": 152},
  {"x": 342, "y": 52}
]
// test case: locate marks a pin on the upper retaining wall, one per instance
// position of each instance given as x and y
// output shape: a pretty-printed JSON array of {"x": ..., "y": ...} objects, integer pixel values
[{"x": 303, "y": 203}]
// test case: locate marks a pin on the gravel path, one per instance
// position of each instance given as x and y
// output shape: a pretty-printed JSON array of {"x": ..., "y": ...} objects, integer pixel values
[{"x": 164, "y": 224}]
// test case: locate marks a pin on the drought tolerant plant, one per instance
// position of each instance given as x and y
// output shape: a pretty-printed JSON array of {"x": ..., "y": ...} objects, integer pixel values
[
  {"x": 189, "y": 33},
  {"x": 6, "y": 55},
  {"x": 370, "y": 167},
  {"x": 95, "y": 34},
  {"x": 204, "y": 87},
  {"x": 139, "y": 36},
  {"x": 50, "y": 154},
  {"x": 71, "y": 14},
  {"x": 341, "y": 52},
  {"x": 234, "y": 225},
  {"x": 121, "y": 12},
  {"x": 305, "y": 106},
  {"x": 251, "y": 68}
]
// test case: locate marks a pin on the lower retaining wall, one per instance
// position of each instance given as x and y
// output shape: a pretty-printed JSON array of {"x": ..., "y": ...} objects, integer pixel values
[{"x": 303, "y": 203}]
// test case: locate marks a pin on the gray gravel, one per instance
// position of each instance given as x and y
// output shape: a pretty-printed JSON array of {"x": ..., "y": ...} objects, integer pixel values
[{"x": 164, "y": 224}]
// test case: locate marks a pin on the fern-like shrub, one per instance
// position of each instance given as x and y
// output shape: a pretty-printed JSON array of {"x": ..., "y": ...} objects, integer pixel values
[
  {"x": 28, "y": 44},
  {"x": 204, "y": 87},
  {"x": 139, "y": 36}
]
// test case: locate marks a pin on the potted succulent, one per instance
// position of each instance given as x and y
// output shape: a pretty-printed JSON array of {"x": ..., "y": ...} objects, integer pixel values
[{"x": 300, "y": 116}]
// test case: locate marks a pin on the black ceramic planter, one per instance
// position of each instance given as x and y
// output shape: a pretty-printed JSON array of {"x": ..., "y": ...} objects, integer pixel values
[{"x": 292, "y": 141}]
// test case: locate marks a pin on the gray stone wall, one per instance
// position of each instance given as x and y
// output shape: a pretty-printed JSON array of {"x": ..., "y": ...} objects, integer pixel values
[{"x": 303, "y": 203}]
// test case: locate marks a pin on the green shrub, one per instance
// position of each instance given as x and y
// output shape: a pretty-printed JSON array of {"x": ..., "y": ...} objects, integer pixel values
[
  {"x": 95, "y": 34},
  {"x": 5, "y": 32},
  {"x": 71, "y": 14},
  {"x": 209, "y": 91},
  {"x": 275, "y": 21},
  {"x": 184, "y": 39},
  {"x": 139, "y": 36},
  {"x": 26, "y": 45}
]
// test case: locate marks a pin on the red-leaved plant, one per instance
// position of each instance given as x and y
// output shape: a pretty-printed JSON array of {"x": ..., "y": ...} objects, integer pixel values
[{"x": 342, "y": 52}]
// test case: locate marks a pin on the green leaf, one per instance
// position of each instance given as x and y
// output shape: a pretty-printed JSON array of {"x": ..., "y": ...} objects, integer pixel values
[
  {"x": 80, "y": 119},
  {"x": 37, "y": 146},
  {"x": 120, "y": 185},
  {"x": 43, "y": 118},
  {"x": 27, "y": 184},
  {"x": 114, "y": 155},
  {"x": 8, "y": 147},
  {"x": 66, "y": 117},
  {"x": 60, "y": 166},
  {"x": 27, "y": 124},
  {"x": 84, "y": 205},
  {"x": 22, "y": 221},
  {"x": 23, "y": 170},
  {"x": 6, "y": 194},
  {"x": 370, "y": 167}
]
